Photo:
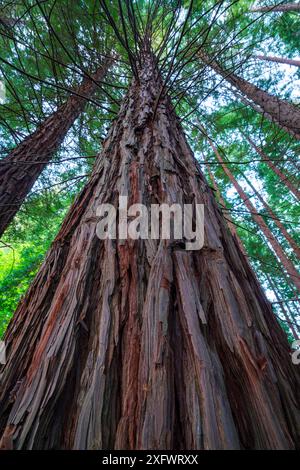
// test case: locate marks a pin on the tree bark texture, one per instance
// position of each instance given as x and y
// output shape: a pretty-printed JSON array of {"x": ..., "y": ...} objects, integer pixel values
[
  {"x": 108, "y": 350},
  {"x": 22, "y": 167},
  {"x": 284, "y": 114}
]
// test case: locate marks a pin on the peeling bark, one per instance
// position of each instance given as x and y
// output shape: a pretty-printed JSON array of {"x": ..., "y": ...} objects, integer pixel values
[
  {"x": 21, "y": 168},
  {"x": 108, "y": 349}
]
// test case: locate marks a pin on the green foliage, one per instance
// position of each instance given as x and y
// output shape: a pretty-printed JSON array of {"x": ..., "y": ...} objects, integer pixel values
[
  {"x": 24, "y": 247},
  {"x": 47, "y": 47}
]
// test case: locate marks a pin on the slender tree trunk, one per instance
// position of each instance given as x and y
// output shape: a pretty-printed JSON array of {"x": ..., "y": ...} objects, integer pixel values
[
  {"x": 283, "y": 178},
  {"x": 284, "y": 114},
  {"x": 228, "y": 217},
  {"x": 22, "y": 167},
  {"x": 276, "y": 220},
  {"x": 279, "y": 60},
  {"x": 288, "y": 265},
  {"x": 295, "y": 303},
  {"x": 293, "y": 316},
  {"x": 278, "y": 8},
  {"x": 109, "y": 349},
  {"x": 288, "y": 320}
]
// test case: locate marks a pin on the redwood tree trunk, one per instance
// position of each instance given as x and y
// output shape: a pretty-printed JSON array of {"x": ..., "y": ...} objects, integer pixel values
[
  {"x": 287, "y": 263},
  {"x": 289, "y": 320},
  {"x": 22, "y": 167},
  {"x": 276, "y": 220},
  {"x": 281, "y": 8},
  {"x": 284, "y": 114},
  {"x": 108, "y": 349},
  {"x": 227, "y": 217},
  {"x": 279, "y": 60},
  {"x": 283, "y": 178}
]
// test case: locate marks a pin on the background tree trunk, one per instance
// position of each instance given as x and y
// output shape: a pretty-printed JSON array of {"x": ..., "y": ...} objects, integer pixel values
[
  {"x": 284, "y": 114},
  {"x": 109, "y": 349},
  {"x": 227, "y": 216},
  {"x": 279, "y": 60},
  {"x": 289, "y": 320},
  {"x": 283, "y": 178},
  {"x": 276, "y": 220},
  {"x": 287, "y": 263},
  {"x": 281, "y": 8},
  {"x": 22, "y": 167}
]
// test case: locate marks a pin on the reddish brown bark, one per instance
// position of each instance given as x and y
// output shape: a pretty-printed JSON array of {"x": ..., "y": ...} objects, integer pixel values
[
  {"x": 22, "y": 167},
  {"x": 283, "y": 178},
  {"x": 287, "y": 263},
  {"x": 279, "y": 60},
  {"x": 278, "y": 8},
  {"x": 108, "y": 349},
  {"x": 276, "y": 220},
  {"x": 284, "y": 114}
]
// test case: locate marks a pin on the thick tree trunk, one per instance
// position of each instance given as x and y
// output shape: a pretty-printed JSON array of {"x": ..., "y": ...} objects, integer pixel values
[
  {"x": 109, "y": 349},
  {"x": 276, "y": 220},
  {"x": 284, "y": 114},
  {"x": 278, "y": 8},
  {"x": 283, "y": 178},
  {"x": 22, "y": 167},
  {"x": 288, "y": 265},
  {"x": 279, "y": 60}
]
